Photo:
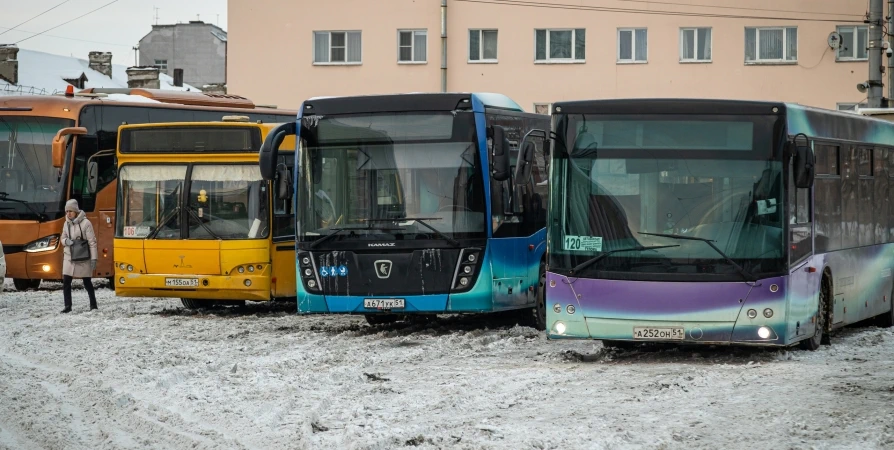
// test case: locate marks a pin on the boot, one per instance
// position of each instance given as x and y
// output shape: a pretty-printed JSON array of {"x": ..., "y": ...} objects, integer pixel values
[
  {"x": 66, "y": 310},
  {"x": 93, "y": 305}
]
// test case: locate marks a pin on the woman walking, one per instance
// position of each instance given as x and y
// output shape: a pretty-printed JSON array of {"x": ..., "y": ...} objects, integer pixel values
[{"x": 79, "y": 259}]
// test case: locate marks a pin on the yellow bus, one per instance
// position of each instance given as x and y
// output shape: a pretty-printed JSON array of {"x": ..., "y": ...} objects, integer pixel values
[{"x": 196, "y": 220}]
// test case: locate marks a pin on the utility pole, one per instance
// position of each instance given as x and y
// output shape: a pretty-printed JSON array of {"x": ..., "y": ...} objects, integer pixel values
[
  {"x": 876, "y": 69},
  {"x": 890, "y": 48}
]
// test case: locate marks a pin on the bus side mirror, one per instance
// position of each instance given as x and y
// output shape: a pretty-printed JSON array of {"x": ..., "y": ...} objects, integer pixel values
[
  {"x": 804, "y": 162},
  {"x": 267, "y": 156},
  {"x": 92, "y": 176},
  {"x": 283, "y": 183},
  {"x": 500, "y": 154},
  {"x": 60, "y": 141},
  {"x": 524, "y": 163}
]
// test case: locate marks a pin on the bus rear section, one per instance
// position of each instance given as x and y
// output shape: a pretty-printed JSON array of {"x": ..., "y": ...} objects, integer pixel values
[
  {"x": 693, "y": 221},
  {"x": 396, "y": 207},
  {"x": 196, "y": 220}
]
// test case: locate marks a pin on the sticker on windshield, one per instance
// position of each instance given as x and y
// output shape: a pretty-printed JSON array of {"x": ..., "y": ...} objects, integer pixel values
[
  {"x": 136, "y": 231},
  {"x": 583, "y": 243}
]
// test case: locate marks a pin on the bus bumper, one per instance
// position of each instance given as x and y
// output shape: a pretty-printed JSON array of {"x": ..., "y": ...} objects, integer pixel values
[
  {"x": 254, "y": 287},
  {"x": 467, "y": 302}
]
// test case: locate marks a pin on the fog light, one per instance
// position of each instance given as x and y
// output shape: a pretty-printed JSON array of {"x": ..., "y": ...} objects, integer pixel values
[
  {"x": 121, "y": 280},
  {"x": 768, "y": 313},
  {"x": 247, "y": 283},
  {"x": 472, "y": 257},
  {"x": 312, "y": 284},
  {"x": 251, "y": 268},
  {"x": 46, "y": 268},
  {"x": 241, "y": 269},
  {"x": 467, "y": 269},
  {"x": 752, "y": 313},
  {"x": 560, "y": 328},
  {"x": 129, "y": 268},
  {"x": 308, "y": 272},
  {"x": 557, "y": 308},
  {"x": 763, "y": 332},
  {"x": 305, "y": 260},
  {"x": 570, "y": 309},
  {"x": 464, "y": 281}
]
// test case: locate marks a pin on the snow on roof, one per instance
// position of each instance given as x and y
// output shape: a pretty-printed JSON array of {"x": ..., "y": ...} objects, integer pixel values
[{"x": 45, "y": 73}]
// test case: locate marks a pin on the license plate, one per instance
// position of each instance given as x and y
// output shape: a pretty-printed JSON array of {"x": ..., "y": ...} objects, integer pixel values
[
  {"x": 181, "y": 282},
  {"x": 384, "y": 303},
  {"x": 659, "y": 333}
]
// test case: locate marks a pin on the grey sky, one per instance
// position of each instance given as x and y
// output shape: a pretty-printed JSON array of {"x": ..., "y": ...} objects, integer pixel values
[{"x": 116, "y": 28}]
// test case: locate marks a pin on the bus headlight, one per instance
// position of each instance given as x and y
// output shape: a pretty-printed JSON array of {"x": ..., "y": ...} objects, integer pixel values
[
  {"x": 121, "y": 280},
  {"x": 129, "y": 268},
  {"x": 752, "y": 313},
  {"x": 308, "y": 272},
  {"x": 247, "y": 283},
  {"x": 312, "y": 284},
  {"x": 763, "y": 332},
  {"x": 557, "y": 308},
  {"x": 570, "y": 309},
  {"x": 251, "y": 268},
  {"x": 560, "y": 328},
  {"x": 768, "y": 313},
  {"x": 46, "y": 268},
  {"x": 464, "y": 281},
  {"x": 240, "y": 269},
  {"x": 44, "y": 244}
]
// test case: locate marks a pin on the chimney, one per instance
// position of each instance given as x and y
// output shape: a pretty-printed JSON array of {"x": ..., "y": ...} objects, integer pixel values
[
  {"x": 101, "y": 62},
  {"x": 178, "y": 77},
  {"x": 9, "y": 66},
  {"x": 143, "y": 77}
]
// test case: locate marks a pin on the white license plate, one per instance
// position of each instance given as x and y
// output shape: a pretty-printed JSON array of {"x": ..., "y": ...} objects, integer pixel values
[
  {"x": 384, "y": 303},
  {"x": 181, "y": 282},
  {"x": 659, "y": 333}
]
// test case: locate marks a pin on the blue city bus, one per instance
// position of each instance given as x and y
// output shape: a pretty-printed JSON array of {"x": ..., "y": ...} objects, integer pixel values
[
  {"x": 717, "y": 222},
  {"x": 416, "y": 204}
]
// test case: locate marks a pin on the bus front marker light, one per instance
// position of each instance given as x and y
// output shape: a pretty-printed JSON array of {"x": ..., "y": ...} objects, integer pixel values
[
  {"x": 752, "y": 313},
  {"x": 570, "y": 309},
  {"x": 251, "y": 268},
  {"x": 557, "y": 308},
  {"x": 763, "y": 332},
  {"x": 121, "y": 280},
  {"x": 471, "y": 257},
  {"x": 305, "y": 260},
  {"x": 247, "y": 283},
  {"x": 768, "y": 313},
  {"x": 308, "y": 272},
  {"x": 259, "y": 267},
  {"x": 774, "y": 288},
  {"x": 467, "y": 269},
  {"x": 464, "y": 281},
  {"x": 129, "y": 268},
  {"x": 122, "y": 266},
  {"x": 241, "y": 269},
  {"x": 45, "y": 267},
  {"x": 312, "y": 284},
  {"x": 560, "y": 328}
]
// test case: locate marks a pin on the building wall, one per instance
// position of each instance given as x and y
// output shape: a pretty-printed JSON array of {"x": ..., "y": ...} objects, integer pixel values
[
  {"x": 274, "y": 64},
  {"x": 189, "y": 46}
]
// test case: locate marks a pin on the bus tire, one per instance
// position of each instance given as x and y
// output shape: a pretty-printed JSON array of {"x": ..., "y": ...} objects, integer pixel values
[
  {"x": 820, "y": 336},
  {"x": 23, "y": 284},
  {"x": 540, "y": 301},
  {"x": 194, "y": 303},
  {"x": 381, "y": 319},
  {"x": 886, "y": 320}
]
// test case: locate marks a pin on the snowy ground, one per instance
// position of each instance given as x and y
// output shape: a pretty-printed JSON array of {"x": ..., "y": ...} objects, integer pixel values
[{"x": 149, "y": 374}]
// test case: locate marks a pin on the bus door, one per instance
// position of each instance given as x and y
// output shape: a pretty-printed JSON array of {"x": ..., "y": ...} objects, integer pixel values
[
  {"x": 282, "y": 249},
  {"x": 804, "y": 277}
]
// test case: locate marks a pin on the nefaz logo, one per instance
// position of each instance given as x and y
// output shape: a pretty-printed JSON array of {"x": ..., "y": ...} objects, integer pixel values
[{"x": 381, "y": 244}]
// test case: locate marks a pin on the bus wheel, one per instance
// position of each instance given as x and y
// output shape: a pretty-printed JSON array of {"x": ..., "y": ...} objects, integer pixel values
[
  {"x": 381, "y": 319},
  {"x": 194, "y": 303},
  {"x": 820, "y": 336},
  {"x": 540, "y": 305},
  {"x": 23, "y": 284}
]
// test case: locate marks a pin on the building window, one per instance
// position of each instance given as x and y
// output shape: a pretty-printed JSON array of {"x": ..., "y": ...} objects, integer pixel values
[
  {"x": 337, "y": 47},
  {"x": 411, "y": 45},
  {"x": 161, "y": 65},
  {"x": 482, "y": 45},
  {"x": 557, "y": 45},
  {"x": 632, "y": 45},
  {"x": 852, "y": 107},
  {"x": 695, "y": 45},
  {"x": 854, "y": 43},
  {"x": 541, "y": 108},
  {"x": 771, "y": 44}
]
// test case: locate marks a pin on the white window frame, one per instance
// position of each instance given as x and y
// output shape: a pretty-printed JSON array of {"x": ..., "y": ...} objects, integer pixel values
[
  {"x": 161, "y": 65},
  {"x": 549, "y": 108},
  {"x": 482, "y": 59},
  {"x": 413, "y": 32},
  {"x": 695, "y": 43},
  {"x": 757, "y": 45},
  {"x": 850, "y": 106},
  {"x": 853, "y": 44},
  {"x": 633, "y": 59},
  {"x": 330, "y": 62},
  {"x": 571, "y": 60}
]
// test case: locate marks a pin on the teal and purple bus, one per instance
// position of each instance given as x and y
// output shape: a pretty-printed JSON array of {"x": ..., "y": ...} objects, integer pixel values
[{"x": 717, "y": 222}]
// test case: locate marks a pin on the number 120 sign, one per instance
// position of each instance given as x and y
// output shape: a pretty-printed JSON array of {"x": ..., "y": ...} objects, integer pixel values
[{"x": 583, "y": 243}]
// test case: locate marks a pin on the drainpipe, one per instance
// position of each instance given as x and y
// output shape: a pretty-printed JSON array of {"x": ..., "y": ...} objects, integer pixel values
[{"x": 443, "y": 45}]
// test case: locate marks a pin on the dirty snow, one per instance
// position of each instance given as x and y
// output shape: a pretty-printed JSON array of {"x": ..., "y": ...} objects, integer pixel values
[{"x": 149, "y": 374}]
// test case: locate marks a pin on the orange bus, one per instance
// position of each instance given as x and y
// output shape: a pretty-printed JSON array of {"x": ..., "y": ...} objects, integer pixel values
[{"x": 53, "y": 148}]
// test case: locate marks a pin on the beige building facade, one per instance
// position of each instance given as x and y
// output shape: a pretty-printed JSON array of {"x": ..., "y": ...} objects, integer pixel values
[{"x": 538, "y": 52}]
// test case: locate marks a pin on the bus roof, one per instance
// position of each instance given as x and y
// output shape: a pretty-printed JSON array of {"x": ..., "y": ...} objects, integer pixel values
[
  {"x": 665, "y": 106},
  {"x": 406, "y": 102},
  {"x": 265, "y": 127}
]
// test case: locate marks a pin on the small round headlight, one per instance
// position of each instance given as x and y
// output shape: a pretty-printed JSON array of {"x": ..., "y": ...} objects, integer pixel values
[
  {"x": 305, "y": 260},
  {"x": 308, "y": 272},
  {"x": 121, "y": 280},
  {"x": 557, "y": 308},
  {"x": 570, "y": 309},
  {"x": 752, "y": 313},
  {"x": 247, "y": 283},
  {"x": 464, "y": 281},
  {"x": 467, "y": 269},
  {"x": 472, "y": 257},
  {"x": 768, "y": 313},
  {"x": 129, "y": 268},
  {"x": 763, "y": 332},
  {"x": 560, "y": 328},
  {"x": 251, "y": 268},
  {"x": 122, "y": 266},
  {"x": 241, "y": 269},
  {"x": 312, "y": 284}
]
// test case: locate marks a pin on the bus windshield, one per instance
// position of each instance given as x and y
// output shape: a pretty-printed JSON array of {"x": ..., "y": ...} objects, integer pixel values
[
  {"x": 659, "y": 198},
  {"x": 30, "y": 188},
  {"x": 404, "y": 172},
  {"x": 224, "y": 202}
]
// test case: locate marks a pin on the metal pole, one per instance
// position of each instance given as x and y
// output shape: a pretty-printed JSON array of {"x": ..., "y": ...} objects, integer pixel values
[
  {"x": 443, "y": 45},
  {"x": 890, "y": 59},
  {"x": 876, "y": 20}
]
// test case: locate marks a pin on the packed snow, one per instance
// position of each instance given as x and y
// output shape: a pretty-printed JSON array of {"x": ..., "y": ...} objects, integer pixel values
[{"x": 146, "y": 373}]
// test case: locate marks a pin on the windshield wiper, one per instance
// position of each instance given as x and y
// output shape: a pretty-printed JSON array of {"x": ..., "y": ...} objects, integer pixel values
[
  {"x": 40, "y": 215},
  {"x": 335, "y": 231},
  {"x": 421, "y": 221},
  {"x": 599, "y": 257},
  {"x": 195, "y": 215},
  {"x": 163, "y": 223},
  {"x": 745, "y": 274}
]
